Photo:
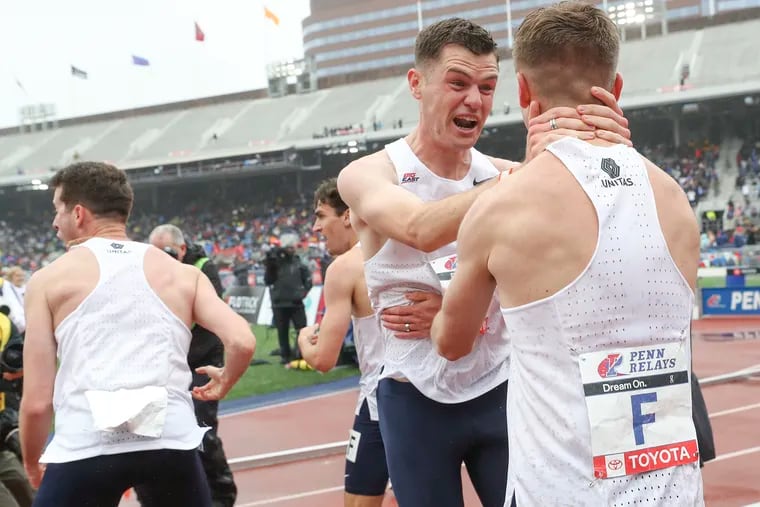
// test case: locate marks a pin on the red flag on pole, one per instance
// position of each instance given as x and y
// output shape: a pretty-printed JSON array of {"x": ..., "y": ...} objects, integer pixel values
[{"x": 199, "y": 35}]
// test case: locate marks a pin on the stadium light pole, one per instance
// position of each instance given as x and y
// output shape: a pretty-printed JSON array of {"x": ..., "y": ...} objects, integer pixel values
[{"x": 509, "y": 23}]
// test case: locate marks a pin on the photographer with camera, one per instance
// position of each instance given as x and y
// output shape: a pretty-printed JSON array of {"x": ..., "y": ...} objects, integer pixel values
[
  {"x": 15, "y": 490},
  {"x": 205, "y": 348},
  {"x": 289, "y": 282}
]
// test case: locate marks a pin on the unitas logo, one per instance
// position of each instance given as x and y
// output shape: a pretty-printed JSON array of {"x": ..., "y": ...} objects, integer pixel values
[{"x": 610, "y": 167}]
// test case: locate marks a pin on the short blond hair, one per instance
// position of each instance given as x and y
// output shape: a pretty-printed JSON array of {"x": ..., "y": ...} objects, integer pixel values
[{"x": 573, "y": 38}]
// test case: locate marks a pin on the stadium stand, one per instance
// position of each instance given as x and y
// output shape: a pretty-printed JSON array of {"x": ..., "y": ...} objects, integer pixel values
[
  {"x": 237, "y": 141},
  {"x": 717, "y": 56}
]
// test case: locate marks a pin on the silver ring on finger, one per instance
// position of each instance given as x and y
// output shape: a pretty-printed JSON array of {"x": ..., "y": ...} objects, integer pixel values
[
  {"x": 553, "y": 124},
  {"x": 407, "y": 327}
]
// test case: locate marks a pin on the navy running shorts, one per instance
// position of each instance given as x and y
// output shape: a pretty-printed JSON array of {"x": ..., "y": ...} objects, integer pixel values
[
  {"x": 366, "y": 471},
  {"x": 426, "y": 443},
  {"x": 173, "y": 478}
]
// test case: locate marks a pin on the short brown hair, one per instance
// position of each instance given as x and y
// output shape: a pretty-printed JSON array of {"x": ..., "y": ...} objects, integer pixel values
[
  {"x": 327, "y": 193},
  {"x": 573, "y": 36},
  {"x": 462, "y": 32},
  {"x": 101, "y": 188}
]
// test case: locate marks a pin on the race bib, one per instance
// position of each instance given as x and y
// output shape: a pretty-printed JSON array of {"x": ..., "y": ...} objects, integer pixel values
[
  {"x": 444, "y": 268},
  {"x": 639, "y": 409},
  {"x": 353, "y": 445}
]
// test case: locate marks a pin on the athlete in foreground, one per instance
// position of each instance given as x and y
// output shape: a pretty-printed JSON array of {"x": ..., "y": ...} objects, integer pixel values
[{"x": 593, "y": 251}]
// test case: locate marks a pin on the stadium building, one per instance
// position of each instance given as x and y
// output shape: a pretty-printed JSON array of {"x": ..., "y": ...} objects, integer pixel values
[{"x": 347, "y": 41}]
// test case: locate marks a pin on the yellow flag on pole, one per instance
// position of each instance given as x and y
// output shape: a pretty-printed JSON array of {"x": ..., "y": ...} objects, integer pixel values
[{"x": 271, "y": 16}]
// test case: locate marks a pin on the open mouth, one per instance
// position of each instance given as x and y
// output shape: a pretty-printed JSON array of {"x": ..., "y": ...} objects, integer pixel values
[{"x": 465, "y": 123}]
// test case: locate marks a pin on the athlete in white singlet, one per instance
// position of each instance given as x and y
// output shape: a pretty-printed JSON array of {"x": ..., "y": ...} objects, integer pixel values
[
  {"x": 106, "y": 345},
  {"x": 594, "y": 252},
  {"x": 346, "y": 301}
]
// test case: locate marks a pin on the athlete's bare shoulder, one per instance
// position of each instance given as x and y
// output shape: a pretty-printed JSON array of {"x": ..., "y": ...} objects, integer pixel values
[
  {"x": 160, "y": 265},
  {"x": 527, "y": 200},
  {"x": 368, "y": 168},
  {"x": 75, "y": 259},
  {"x": 677, "y": 221},
  {"x": 503, "y": 164},
  {"x": 346, "y": 266},
  {"x": 660, "y": 178}
]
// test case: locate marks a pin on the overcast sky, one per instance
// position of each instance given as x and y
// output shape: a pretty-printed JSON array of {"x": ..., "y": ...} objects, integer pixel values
[{"x": 41, "y": 39}]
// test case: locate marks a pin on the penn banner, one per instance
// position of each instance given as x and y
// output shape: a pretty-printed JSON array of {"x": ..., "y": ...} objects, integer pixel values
[
  {"x": 731, "y": 301},
  {"x": 246, "y": 301}
]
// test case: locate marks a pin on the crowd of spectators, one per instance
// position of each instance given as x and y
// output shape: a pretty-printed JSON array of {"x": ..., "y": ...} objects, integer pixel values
[
  {"x": 231, "y": 232},
  {"x": 726, "y": 231},
  {"x": 242, "y": 228},
  {"x": 693, "y": 165}
]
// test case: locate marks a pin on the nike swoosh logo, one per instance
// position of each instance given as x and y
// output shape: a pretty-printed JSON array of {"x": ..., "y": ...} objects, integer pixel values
[{"x": 475, "y": 181}]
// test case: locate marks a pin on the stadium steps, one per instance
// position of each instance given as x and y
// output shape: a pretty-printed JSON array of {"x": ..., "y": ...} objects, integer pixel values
[
  {"x": 379, "y": 110},
  {"x": 690, "y": 57},
  {"x": 299, "y": 115},
  {"x": 27, "y": 145},
  {"x": 85, "y": 144},
  {"x": 151, "y": 136},
  {"x": 727, "y": 172}
]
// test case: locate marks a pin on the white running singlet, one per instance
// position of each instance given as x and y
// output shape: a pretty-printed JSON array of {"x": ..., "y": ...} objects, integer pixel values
[
  {"x": 397, "y": 269},
  {"x": 123, "y": 380},
  {"x": 599, "y": 395},
  {"x": 368, "y": 340}
]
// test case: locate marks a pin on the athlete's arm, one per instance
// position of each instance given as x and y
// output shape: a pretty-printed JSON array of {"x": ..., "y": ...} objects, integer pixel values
[
  {"x": 36, "y": 414},
  {"x": 469, "y": 294},
  {"x": 338, "y": 289},
  {"x": 214, "y": 314},
  {"x": 367, "y": 186}
]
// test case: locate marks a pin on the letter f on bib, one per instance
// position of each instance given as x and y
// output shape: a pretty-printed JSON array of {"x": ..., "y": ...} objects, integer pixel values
[{"x": 639, "y": 419}]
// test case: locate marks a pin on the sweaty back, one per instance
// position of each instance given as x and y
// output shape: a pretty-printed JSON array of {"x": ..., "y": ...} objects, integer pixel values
[
  {"x": 600, "y": 399},
  {"x": 121, "y": 339}
]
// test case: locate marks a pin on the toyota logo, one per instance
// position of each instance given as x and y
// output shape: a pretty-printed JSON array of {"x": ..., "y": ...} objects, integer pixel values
[{"x": 615, "y": 464}]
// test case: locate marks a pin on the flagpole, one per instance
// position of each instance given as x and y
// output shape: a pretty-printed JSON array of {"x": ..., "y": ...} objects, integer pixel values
[
  {"x": 23, "y": 89},
  {"x": 509, "y": 23},
  {"x": 419, "y": 15}
]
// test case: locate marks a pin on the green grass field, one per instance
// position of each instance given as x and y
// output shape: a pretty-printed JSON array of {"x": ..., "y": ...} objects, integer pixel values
[{"x": 273, "y": 377}]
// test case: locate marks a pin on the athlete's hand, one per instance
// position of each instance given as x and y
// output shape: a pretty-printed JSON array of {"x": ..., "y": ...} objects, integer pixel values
[
  {"x": 308, "y": 335},
  {"x": 213, "y": 390},
  {"x": 586, "y": 122},
  {"x": 34, "y": 472},
  {"x": 419, "y": 315},
  {"x": 606, "y": 118}
]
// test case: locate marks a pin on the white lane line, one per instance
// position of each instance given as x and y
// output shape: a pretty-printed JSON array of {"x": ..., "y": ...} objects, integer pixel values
[
  {"x": 278, "y": 499},
  {"x": 736, "y": 454},
  {"x": 742, "y": 408}
]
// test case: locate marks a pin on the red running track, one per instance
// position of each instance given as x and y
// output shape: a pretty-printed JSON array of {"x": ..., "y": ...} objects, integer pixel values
[{"x": 732, "y": 480}]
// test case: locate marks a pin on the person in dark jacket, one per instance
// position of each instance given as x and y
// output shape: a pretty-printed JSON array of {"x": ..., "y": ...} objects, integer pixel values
[
  {"x": 205, "y": 349},
  {"x": 289, "y": 282}
]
